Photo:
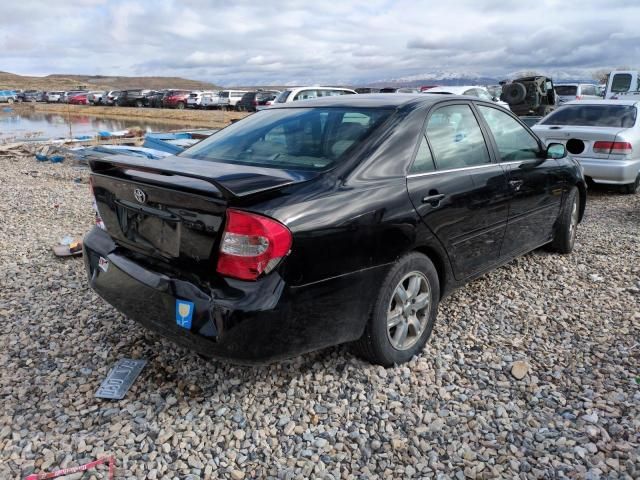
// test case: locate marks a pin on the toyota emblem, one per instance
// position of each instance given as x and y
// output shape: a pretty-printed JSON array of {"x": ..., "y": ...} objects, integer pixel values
[{"x": 140, "y": 195}]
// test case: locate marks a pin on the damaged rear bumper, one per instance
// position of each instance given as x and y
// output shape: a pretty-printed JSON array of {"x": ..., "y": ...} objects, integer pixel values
[{"x": 244, "y": 322}]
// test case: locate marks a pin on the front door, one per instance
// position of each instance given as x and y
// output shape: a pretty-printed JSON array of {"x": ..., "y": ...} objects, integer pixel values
[
  {"x": 461, "y": 195},
  {"x": 535, "y": 188}
]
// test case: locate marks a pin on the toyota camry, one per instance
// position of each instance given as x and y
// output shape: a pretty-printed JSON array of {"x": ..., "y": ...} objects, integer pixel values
[{"x": 329, "y": 221}]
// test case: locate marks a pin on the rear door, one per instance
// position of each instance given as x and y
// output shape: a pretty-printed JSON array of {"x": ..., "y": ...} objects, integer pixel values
[
  {"x": 458, "y": 189},
  {"x": 536, "y": 189}
]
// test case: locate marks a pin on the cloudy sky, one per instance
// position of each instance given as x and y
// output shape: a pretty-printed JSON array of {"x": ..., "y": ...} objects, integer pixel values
[{"x": 295, "y": 42}]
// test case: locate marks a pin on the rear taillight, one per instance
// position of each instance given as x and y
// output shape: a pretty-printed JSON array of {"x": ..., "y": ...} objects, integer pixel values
[
  {"x": 618, "y": 148},
  {"x": 251, "y": 245},
  {"x": 98, "y": 218},
  {"x": 578, "y": 97},
  {"x": 254, "y": 103}
]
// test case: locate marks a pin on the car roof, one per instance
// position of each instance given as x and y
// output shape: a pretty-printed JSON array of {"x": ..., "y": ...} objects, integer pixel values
[
  {"x": 374, "y": 100},
  {"x": 297, "y": 89},
  {"x": 603, "y": 102},
  {"x": 453, "y": 89}
]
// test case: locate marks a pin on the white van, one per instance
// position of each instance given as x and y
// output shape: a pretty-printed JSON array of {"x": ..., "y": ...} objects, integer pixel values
[
  {"x": 568, "y": 92},
  {"x": 306, "y": 93},
  {"x": 229, "y": 98},
  {"x": 623, "y": 85}
]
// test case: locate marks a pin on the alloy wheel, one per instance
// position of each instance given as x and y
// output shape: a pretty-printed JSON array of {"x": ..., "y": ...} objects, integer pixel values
[{"x": 408, "y": 312}]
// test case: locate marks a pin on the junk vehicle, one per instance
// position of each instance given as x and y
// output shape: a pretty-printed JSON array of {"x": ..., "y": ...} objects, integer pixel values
[
  {"x": 528, "y": 96},
  {"x": 567, "y": 92},
  {"x": 602, "y": 135},
  {"x": 250, "y": 101},
  {"x": 343, "y": 219},
  {"x": 96, "y": 97},
  {"x": 176, "y": 99},
  {"x": 8, "y": 96},
  {"x": 623, "y": 85}
]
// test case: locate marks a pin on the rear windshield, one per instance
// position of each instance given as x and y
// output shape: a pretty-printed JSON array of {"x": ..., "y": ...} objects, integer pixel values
[
  {"x": 621, "y": 82},
  {"x": 294, "y": 138},
  {"x": 623, "y": 116},
  {"x": 568, "y": 90}
]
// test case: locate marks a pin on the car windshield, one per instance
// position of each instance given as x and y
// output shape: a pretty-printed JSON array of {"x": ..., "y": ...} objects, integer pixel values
[
  {"x": 568, "y": 90},
  {"x": 295, "y": 138},
  {"x": 623, "y": 116},
  {"x": 282, "y": 98}
]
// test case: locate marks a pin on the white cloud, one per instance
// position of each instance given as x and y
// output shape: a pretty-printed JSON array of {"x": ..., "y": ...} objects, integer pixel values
[{"x": 290, "y": 41}]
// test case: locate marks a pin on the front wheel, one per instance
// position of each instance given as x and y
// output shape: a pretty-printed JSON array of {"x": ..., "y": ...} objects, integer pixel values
[
  {"x": 567, "y": 224},
  {"x": 404, "y": 312},
  {"x": 180, "y": 105}
]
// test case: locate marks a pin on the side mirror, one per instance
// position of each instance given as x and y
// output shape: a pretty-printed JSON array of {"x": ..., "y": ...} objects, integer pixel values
[{"x": 556, "y": 151}]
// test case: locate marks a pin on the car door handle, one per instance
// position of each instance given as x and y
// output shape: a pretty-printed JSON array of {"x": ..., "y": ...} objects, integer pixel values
[
  {"x": 516, "y": 184},
  {"x": 433, "y": 200}
]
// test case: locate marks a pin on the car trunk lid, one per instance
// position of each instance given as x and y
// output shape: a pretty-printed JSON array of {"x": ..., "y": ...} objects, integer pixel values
[
  {"x": 173, "y": 210},
  {"x": 580, "y": 140}
]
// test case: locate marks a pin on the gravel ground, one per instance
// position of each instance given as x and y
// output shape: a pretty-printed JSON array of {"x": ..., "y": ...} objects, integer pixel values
[{"x": 454, "y": 412}]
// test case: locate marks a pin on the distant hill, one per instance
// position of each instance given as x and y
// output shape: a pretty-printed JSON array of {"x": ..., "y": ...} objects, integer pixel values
[{"x": 98, "y": 82}]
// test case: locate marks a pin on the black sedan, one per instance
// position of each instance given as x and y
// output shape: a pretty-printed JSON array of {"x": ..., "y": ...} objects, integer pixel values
[{"x": 316, "y": 223}]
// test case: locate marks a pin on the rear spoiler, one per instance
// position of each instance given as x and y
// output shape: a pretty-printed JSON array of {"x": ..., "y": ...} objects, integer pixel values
[{"x": 232, "y": 180}]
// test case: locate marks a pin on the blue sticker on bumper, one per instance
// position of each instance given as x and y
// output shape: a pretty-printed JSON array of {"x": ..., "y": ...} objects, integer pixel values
[{"x": 184, "y": 313}]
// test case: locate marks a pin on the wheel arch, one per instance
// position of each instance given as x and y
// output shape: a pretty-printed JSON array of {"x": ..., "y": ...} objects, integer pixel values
[
  {"x": 582, "y": 190},
  {"x": 440, "y": 263}
]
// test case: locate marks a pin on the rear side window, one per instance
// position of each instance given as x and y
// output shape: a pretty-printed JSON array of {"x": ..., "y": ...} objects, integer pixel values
[
  {"x": 513, "y": 140},
  {"x": 621, "y": 82},
  {"x": 623, "y": 116},
  {"x": 424, "y": 161},
  {"x": 588, "y": 90},
  {"x": 306, "y": 95},
  {"x": 292, "y": 138},
  {"x": 456, "y": 138}
]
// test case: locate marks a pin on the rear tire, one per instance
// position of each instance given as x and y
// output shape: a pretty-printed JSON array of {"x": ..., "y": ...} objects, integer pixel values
[
  {"x": 567, "y": 224},
  {"x": 404, "y": 313},
  {"x": 180, "y": 105},
  {"x": 633, "y": 187}
]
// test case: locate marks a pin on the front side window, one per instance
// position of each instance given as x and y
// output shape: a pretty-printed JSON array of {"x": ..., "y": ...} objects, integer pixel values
[
  {"x": 513, "y": 140},
  {"x": 456, "y": 138},
  {"x": 294, "y": 138}
]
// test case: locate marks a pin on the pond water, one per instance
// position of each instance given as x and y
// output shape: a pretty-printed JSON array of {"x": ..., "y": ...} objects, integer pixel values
[{"x": 18, "y": 125}]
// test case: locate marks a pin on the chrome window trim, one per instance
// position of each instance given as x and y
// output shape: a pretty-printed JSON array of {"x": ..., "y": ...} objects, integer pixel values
[{"x": 449, "y": 170}]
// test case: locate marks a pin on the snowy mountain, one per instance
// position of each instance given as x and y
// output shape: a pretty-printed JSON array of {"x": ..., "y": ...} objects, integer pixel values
[{"x": 444, "y": 77}]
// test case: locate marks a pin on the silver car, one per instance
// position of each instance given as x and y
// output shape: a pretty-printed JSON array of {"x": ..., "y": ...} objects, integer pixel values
[
  {"x": 567, "y": 92},
  {"x": 604, "y": 136}
]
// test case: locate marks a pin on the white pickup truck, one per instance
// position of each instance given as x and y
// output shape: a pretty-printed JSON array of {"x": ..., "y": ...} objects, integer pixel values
[{"x": 623, "y": 85}]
